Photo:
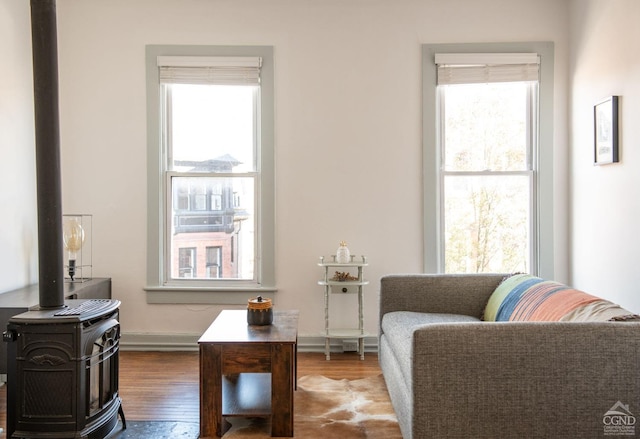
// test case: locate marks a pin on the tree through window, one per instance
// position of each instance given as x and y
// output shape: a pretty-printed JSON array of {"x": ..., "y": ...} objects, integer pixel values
[{"x": 488, "y": 134}]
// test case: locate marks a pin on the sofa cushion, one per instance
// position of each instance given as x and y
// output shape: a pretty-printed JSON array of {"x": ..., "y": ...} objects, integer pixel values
[
  {"x": 403, "y": 323},
  {"x": 523, "y": 297},
  {"x": 398, "y": 328}
]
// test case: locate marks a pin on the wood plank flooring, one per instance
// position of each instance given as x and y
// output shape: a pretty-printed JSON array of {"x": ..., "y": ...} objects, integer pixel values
[{"x": 163, "y": 386}]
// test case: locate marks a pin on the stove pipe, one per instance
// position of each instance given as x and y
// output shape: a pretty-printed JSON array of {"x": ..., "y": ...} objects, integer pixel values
[{"x": 47, "y": 136}]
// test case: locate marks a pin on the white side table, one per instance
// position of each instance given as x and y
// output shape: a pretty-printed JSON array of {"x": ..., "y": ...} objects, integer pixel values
[{"x": 353, "y": 285}]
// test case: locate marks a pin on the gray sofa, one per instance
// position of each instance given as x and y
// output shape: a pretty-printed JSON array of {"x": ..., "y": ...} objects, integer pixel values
[{"x": 452, "y": 375}]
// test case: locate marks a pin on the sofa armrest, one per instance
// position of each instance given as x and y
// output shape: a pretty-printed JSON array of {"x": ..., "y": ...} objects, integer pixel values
[
  {"x": 552, "y": 379},
  {"x": 437, "y": 293}
]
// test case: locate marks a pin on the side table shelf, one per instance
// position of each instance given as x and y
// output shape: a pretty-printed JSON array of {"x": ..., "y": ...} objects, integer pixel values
[{"x": 347, "y": 279}]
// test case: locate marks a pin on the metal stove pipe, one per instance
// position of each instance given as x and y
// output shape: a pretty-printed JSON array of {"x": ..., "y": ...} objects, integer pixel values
[{"x": 47, "y": 136}]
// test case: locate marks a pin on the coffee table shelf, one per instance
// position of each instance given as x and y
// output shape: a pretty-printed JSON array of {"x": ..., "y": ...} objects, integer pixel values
[{"x": 246, "y": 394}]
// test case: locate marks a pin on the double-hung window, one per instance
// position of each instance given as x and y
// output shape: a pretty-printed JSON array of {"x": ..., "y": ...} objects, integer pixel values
[
  {"x": 487, "y": 150},
  {"x": 214, "y": 177}
]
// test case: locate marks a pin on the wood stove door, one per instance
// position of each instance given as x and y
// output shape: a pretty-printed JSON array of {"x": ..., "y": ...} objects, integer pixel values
[{"x": 102, "y": 366}]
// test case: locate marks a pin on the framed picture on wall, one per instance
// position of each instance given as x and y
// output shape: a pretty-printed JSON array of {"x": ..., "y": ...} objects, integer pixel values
[{"x": 605, "y": 119}]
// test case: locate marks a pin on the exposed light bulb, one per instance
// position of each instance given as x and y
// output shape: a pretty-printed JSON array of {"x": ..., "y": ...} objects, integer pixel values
[{"x": 73, "y": 237}]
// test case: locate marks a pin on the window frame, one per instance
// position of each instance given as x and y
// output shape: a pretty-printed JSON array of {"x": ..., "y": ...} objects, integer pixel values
[
  {"x": 530, "y": 172},
  {"x": 542, "y": 156},
  {"x": 210, "y": 291}
]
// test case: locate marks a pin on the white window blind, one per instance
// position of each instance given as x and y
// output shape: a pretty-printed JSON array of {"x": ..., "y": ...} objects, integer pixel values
[
  {"x": 475, "y": 68},
  {"x": 209, "y": 70}
]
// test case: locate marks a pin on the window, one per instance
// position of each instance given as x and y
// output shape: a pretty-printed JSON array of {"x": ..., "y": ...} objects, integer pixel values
[
  {"x": 214, "y": 262},
  {"x": 186, "y": 263},
  {"x": 489, "y": 151},
  {"x": 486, "y": 140},
  {"x": 211, "y": 167}
]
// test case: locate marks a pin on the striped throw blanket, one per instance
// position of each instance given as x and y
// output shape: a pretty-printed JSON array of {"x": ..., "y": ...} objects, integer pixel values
[{"x": 523, "y": 297}]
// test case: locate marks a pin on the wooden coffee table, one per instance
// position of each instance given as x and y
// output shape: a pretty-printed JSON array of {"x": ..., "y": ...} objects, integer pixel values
[{"x": 248, "y": 371}]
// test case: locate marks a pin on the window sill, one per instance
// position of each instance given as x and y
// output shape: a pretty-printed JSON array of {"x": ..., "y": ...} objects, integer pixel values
[{"x": 200, "y": 295}]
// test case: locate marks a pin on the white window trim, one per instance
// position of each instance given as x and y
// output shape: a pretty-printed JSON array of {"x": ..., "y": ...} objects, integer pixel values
[
  {"x": 543, "y": 184},
  {"x": 224, "y": 294}
]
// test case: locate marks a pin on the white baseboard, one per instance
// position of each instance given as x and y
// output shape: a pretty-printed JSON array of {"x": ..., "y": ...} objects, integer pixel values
[
  {"x": 189, "y": 342},
  {"x": 158, "y": 342}
]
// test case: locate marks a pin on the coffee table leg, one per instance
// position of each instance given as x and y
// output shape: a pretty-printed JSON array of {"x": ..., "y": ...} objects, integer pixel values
[
  {"x": 211, "y": 420},
  {"x": 282, "y": 381}
]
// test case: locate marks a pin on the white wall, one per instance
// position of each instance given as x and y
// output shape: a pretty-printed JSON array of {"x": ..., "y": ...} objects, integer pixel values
[
  {"x": 18, "y": 222},
  {"x": 605, "y": 201},
  {"x": 348, "y": 128}
]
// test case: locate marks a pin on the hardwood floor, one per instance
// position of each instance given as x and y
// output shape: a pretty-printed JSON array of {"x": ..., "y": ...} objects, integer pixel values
[{"x": 158, "y": 386}]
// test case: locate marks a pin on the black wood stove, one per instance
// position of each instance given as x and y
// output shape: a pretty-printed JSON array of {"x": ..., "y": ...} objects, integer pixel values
[
  {"x": 62, "y": 358},
  {"x": 62, "y": 377}
]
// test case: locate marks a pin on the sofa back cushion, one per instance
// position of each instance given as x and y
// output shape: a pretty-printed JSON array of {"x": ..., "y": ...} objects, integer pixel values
[{"x": 523, "y": 297}]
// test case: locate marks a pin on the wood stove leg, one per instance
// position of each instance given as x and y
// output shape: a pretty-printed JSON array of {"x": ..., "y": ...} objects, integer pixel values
[{"x": 121, "y": 413}]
